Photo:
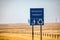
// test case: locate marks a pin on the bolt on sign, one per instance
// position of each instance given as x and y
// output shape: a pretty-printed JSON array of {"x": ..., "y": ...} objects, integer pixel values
[{"x": 37, "y": 16}]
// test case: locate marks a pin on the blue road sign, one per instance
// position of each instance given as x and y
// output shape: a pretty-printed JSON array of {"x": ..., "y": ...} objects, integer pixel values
[{"x": 37, "y": 16}]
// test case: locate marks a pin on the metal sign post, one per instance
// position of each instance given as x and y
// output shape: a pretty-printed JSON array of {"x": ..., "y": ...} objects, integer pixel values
[
  {"x": 40, "y": 22},
  {"x": 33, "y": 29},
  {"x": 40, "y": 32},
  {"x": 32, "y": 32}
]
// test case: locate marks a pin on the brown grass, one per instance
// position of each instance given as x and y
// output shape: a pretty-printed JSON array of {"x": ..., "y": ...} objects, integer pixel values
[{"x": 22, "y": 31}]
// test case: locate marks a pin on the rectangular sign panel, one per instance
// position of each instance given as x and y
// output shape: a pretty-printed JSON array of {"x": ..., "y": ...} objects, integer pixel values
[{"x": 37, "y": 16}]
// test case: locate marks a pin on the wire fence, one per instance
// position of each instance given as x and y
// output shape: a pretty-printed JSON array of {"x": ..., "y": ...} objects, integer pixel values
[{"x": 20, "y": 31}]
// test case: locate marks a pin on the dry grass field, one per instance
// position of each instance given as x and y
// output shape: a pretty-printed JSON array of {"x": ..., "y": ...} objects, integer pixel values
[{"x": 22, "y": 31}]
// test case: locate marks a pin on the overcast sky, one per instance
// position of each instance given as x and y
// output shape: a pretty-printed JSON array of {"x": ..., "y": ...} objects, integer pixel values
[{"x": 18, "y": 11}]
